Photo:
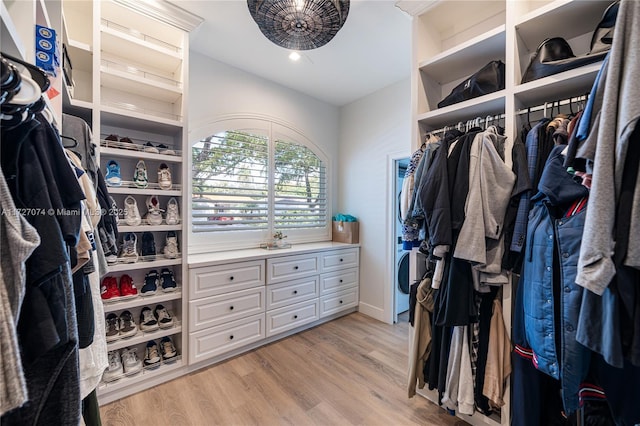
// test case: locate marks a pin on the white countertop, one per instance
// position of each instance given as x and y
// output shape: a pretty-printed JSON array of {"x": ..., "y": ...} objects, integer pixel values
[{"x": 217, "y": 258}]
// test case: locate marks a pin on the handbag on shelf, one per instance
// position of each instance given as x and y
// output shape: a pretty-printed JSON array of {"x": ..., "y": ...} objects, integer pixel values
[
  {"x": 554, "y": 55},
  {"x": 487, "y": 80}
]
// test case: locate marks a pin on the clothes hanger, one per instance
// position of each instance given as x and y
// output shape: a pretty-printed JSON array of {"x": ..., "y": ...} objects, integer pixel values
[
  {"x": 75, "y": 142},
  {"x": 37, "y": 74}
]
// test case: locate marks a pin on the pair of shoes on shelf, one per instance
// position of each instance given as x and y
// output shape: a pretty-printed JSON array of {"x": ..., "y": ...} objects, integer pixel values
[
  {"x": 122, "y": 364},
  {"x": 160, "y": 317},
  {"x": 153, "y": 354},
  {"x": 153, "y": 280},
  {"x": 110, "y": 289},
  {"x": 154, "y": 212},
  {"x": 127, "y": 143},
  {"x": 120, "y": 327},
  {"x": 158, "y": 149},
  {"x": 141, "y": 180}
]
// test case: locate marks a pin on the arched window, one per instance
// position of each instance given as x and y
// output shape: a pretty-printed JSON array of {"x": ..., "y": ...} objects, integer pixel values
[{"x": 252, "y": 178}]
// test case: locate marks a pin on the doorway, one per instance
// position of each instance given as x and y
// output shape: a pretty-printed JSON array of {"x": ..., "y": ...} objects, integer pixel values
[{"x": 401, "y": 257}]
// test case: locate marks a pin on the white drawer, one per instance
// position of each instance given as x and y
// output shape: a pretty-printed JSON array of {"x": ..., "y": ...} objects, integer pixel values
[
  {"x": 215, "y": 341},
  {"x": 334, "y": 281},
  {"x": 339, "y": 259},
  {"x": 336, "y": 302},
  {"x": 290, "y": 317},
  {"x": 219, "y": 279},
  {"x": 290, "y": 292},
  {"x": 286, "y": 268},
  {"x": 217, "y": 310}
]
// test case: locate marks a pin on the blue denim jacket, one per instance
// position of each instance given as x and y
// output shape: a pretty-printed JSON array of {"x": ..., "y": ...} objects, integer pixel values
[{"x": 546, "y": 232}]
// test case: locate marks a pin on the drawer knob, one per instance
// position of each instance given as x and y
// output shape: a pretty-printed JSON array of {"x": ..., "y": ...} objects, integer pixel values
[
  {"x": 231, "y": 278},
  {"x": 295, "y": 317},
  {"x": 341, "y": 301},
  {"x": 340, "y": 280},
  {"x": 231, "y": 308},
  {"x": 340, "y": 260},
  {"x": 231, "y": 337},
  {"x": 295, "y": 267},
  {"x": 295, "y": 291}
]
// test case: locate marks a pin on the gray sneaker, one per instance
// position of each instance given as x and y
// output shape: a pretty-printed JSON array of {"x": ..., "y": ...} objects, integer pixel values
[
  {"x": 112, "y": 327},
  {"x": 129, "y": 253}
]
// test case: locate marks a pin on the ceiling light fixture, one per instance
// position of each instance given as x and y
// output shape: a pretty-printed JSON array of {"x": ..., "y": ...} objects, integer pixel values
[
  {"x": 299, "y": 24},
  {"x": 294, "y": 56}
]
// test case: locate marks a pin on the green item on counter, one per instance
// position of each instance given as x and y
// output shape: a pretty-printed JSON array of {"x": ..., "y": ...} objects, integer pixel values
[{"x": 344, "y": 218}]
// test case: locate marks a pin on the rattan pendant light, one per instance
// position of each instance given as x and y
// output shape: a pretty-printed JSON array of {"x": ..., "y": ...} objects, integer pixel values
[{"x": 299, "y": 24}]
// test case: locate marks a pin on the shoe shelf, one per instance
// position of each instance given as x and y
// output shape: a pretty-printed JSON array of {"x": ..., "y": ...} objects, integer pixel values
[
  {"x": 149, "y": 228},
  {"x": 122, "y": 267},
  {"x": 119, "y": 304},
  {"x": 136, "y": 81},
  {"x": 124, "y": 381},
  {"x": 145, "y": 336},
  {"x": 132, "y": 190},
  {"x": 133, "y": 45},
  {"x": 137, "y": 151},
  {"x": 144, "y": 119}
]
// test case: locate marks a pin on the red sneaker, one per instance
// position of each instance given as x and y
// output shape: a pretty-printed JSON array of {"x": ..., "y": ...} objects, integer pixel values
[
  {"x": 109, "y": 288},
  {"x": 127, "y": 287}
]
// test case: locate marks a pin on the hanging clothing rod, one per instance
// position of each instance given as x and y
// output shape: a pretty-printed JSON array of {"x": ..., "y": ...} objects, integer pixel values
[
  {"x": 553, "y": 104},
  {"x": 473, "y": 122}
]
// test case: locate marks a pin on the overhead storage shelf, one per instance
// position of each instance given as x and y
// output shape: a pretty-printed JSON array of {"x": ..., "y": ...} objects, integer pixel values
[
  {"x": 482, "y": 106},
  {"x": 145, "y": 120},
  {"x": 139, "y": 82}
]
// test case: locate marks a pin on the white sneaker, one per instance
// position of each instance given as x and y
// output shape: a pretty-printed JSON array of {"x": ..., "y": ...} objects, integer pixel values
[
  {"x": 114, "y": 370},
  {"x": 132, "y": 364},
  {"x": 154, "y": 213},
  {"x": 131, "y": 212},
  {"x": 129, "y": 252},
  {"x": 140, "y": 175},
  {"x": 164, "y": 177},
  {"x": 173, "y": 214},
  {"x": 171, "y": 246}
]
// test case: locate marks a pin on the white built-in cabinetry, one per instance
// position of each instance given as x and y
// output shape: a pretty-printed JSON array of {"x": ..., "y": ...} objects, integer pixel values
[
  {"x": 244, "y": 299},
  {"x": 453, "y": 39}
]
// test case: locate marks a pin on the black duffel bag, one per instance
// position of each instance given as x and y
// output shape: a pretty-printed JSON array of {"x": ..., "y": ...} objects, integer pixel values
[
  {"x": 554, "y": 55},
  {"x": 489, "y": 79}
]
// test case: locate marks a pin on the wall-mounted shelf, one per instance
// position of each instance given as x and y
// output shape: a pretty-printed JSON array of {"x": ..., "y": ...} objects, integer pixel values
[
  {"x": 482, "y": 106},
  {"x": 144, "y": 336},
  {"x": 140, "y": 119},
  {"x": 119, "y": 152},
  {"x": 146, "y": 191},
  {"x": 139, "y": 82},
  {"x": 122, "y": 267},
  {"x": 148, "y": 228},
  {"x": 159, "y": 297}
]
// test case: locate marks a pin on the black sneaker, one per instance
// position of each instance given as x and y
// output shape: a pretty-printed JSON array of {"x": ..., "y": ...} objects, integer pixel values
[
  {"x": 148, "y": 246},
  {"x": 168, "y": 280},
  {"x": 167, "y": 349},
  {"x": 151, "y": 355},
  {"x": 127, "y": 325},
  {"x": 112, "y": 328},
  {"x": 147, "y": 321},
  {"x": 163, "y": 316},
  {"x": 151, "y": 282}
]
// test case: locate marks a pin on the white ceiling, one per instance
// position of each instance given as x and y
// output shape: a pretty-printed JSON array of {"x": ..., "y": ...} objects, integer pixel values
[{"x": 371, "y": 51}]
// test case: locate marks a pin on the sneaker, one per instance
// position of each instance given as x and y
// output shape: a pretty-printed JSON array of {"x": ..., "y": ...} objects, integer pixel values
[
  {"x": 131, "y": 212},
  {"x": 114, "y": 210},
  {"x": 132, "y": 364},
  {"x": 127, "y": 325},
  {"x": 114, "y": 371},
  {"x": 165, "y": 320},
  {"x": 168, "y": 280},
  {"x": 147, "y": 320},
  {"x": 151, "y": 355},
  {"x": 154, "y": 212},
  {"x": 165, "y": 150},
  {"x": 127, "y": 287},
  {"x": 148, "y": 247},
  {"x": 108, "y": 243},
  {"x": 148, "y": 147},
  {"x": 164, "y": 176},
  {"x": 128, "y": 144},
  {"x": 167, "y": 348},
  {"x": 112, "y": 327},
  {"x": 171, "y": 246},
  {"x": 151, "y": 281},
  {"x": 113, "y": 177},
  {"x": 129, "y": 253},
  {"x": 173, "y": 214},
  {"x": 113, "y": 138},
  {"x": 109, "y": 288},
  {"x": 140, "y": 175}
]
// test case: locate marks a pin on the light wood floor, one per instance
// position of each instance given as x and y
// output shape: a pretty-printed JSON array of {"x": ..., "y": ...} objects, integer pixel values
[{"x": 350, "y": 371}]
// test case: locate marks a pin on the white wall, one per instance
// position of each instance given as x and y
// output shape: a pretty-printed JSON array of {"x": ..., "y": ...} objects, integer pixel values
[
  {"x": 218, "y": 90},
  {"x": 373, "y": 130}
]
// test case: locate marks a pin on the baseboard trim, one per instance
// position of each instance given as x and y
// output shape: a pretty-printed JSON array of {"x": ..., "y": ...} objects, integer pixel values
[{"x": 371, "y": 311}]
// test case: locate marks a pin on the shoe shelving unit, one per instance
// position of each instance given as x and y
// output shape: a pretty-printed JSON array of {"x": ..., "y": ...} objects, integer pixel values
[
  {"x": 452, "y": 40},
  {"x": 130, "y": 79}
]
